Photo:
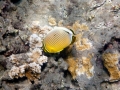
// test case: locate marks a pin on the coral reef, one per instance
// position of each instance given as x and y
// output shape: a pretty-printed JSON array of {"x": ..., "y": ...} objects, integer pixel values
[
  {"x": 16, "y": 72},
  {"x": 35, "y": 41},
  {"x": 24, "y": 24},
  {"x": 30, "y": 67},
  {"x": 80, "y": 42}
]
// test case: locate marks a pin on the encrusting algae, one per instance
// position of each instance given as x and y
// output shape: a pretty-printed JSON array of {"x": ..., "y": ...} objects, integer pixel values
[
  {"x": 78, "y": 26},
  {"x": 31, "y": 66},
  {"x": 72, "y": 66},
  {"x": 83, "y": 44},
  {"x": 76, "y": 68},
  {"x": 86, "y": 67}
]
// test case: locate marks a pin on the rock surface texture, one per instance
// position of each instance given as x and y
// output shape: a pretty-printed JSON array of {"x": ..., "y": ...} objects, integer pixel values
[{"x": 92, "y": 62}]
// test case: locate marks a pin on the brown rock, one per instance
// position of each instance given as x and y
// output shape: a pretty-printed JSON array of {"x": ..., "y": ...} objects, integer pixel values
[
  {"x": 110, "y": 62},
  {"x": 72, "y": 66}
]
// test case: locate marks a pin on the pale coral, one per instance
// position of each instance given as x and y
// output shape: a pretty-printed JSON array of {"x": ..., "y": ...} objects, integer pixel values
[
  {"x": 52, "y": 21},
  {"x": 35, "y": 29},
  {"x": 29, "y": 64},
  {"x": 42, "y": 59},
  {"x": 35, "y": 41},
  {"x": 14, "y": 72},
  {"x": 36, "y": 56},
  {"x": 86, "y": 67},
  {"x": 13, "y": 59},
  {"x": 40, "y": 30},
  {"x": 35, "y": 53},
  {"x": 26, "y": 70},
  {"x": 36, "y": 68},
  {"x": 22, "y": 70},
  {"x": 45, "y": 29},
  {"x": 35, "y": 23},
  {"x": 60, "y": 23}
]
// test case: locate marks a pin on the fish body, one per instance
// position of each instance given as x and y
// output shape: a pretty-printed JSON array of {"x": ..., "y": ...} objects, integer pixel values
[{"x": 57, "y": 39}]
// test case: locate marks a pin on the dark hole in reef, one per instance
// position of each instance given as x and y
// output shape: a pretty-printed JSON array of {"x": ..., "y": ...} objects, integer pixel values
[
  {"x": 16, "y": 88},
  {"x": 16, "y": 1},
  {"x": 106, "y": 70},
  {"x": 3, "y": 64},
  {"x": 64, "y": 88},
  {"x": 115, "y": 39},
  {"x": 32, "y": 82},
  {"x": 106, "y": 46},
  {"x": 43, "y": 66},
  {"x": 66, "y": 73},
  {"x": 75, "y": 82},
  {"x": 7, "y": 33},
  {"x": 36, "y": 87},
  {"x": 16, "y": 80}
]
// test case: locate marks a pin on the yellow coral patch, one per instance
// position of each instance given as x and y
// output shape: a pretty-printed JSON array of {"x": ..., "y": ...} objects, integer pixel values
[
  {"x": 110, "y": 62},
  {"x": 72, "y": 66},
  {"x": 86, "y": 67},
  {"x": 84, "y": 27},
  {"x": 75, "y": 69},
  {"x": 78, "y": 26}
]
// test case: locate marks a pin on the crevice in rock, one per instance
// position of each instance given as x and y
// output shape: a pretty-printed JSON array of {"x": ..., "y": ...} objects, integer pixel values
[{"x": 16, "y": 1}]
